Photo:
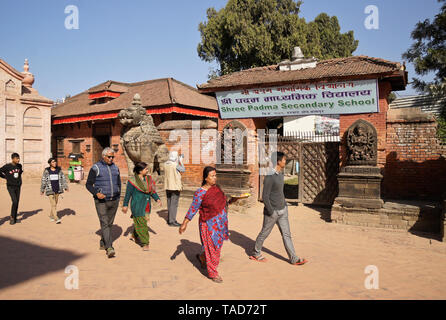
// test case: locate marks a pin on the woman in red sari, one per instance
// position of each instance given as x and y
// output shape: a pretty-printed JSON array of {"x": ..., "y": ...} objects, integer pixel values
[{"x": 211, "y": 202}]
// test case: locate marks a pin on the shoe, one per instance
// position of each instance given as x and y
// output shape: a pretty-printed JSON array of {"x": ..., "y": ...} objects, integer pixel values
[
  {"x": 58, "y": 221},
  {"x": 259, "y": 258},
  {"x": 300, "y": 262},
  {"x": 110, "y": 252},
  {"x": 52, "y": 219},
  {"x": 174, "y": 224},
  {"x": 12, "y": 221}
]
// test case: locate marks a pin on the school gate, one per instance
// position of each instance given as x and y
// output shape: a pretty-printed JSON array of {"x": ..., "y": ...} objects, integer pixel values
[{"x": 318, "y": 159}]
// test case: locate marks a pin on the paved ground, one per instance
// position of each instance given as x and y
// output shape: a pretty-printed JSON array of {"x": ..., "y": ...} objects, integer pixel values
[{"x": 35, "y": 253}]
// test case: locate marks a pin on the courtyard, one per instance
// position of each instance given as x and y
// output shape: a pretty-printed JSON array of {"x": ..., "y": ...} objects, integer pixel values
[{"x": 36, "y": 252}]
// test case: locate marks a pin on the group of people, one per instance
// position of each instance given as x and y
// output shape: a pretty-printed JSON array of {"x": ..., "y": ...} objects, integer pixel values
[{"x": 104, "y": 183}]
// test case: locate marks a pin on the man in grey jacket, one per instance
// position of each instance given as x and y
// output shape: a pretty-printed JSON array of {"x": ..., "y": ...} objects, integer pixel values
[{"x": 275, "y": 212}]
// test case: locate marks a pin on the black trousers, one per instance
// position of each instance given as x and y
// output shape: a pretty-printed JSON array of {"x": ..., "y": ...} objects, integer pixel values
[{"x": 14, "y": 192}]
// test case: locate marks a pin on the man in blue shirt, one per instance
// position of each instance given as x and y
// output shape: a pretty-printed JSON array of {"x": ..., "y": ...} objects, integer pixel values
[{"x": 104, "y": 183}]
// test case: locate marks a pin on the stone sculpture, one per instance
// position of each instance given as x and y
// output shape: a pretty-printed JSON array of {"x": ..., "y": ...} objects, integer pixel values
[
  {"x": 140, "y": 139},
  {"x": 360, "y": 180},
  {"x": 361, "y": 144}
]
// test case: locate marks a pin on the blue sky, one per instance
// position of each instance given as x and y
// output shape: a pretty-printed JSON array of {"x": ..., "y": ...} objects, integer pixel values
[{"x": 140, "y": 40}]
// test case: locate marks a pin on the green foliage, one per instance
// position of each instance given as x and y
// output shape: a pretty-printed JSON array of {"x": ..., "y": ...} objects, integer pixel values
[
  {"x": 391, "y": 97},
  {"x": 428, "y": 54},
  {"x": 253, "y": 33}
]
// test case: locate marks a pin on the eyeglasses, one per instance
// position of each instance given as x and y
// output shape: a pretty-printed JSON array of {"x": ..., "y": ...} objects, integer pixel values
[{"x": 110, "y": 157}]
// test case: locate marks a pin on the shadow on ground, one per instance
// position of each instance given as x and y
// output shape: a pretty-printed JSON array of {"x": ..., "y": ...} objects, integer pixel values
[
  {"x": 66, "y": 212},
  {"x": 163, "y": 214},
  {"x": 22, "y": 261},
  {"x": 27, "y": 214},
  {"x": 248, "y": 244},
  {"x": 190, "y": 249},
  {"x": 324, "y": 211},
  {"x": 116, "y": 232},
  {"x": 130, "y": 230}
]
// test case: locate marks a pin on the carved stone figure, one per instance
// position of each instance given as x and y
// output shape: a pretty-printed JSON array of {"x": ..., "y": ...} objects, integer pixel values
[
  {"x": 361, "y": 144},
  {"x": 140, "y": 139}
]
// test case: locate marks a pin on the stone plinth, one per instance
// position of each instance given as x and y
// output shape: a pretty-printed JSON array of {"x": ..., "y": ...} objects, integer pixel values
[
  {"x": 408, "y": 215},
  {"x": 360, "y": 187}
]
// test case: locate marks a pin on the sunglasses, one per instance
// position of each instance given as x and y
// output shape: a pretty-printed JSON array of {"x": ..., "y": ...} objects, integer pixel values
[{"x": 110, "y": 157}]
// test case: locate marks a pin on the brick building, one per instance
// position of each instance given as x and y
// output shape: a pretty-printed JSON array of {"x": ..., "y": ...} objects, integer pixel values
[
  {"x": 25, "y": 125},
  {"x": 86, "y": 123},
  {"x": 390, "y": 76}
]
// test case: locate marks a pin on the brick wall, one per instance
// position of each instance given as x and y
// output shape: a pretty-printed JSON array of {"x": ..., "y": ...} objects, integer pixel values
[
  {"x": 191, "y": 147},
  {"x": 84, "y": 130},
  {"x": 415, "y": 162},
  {"x": 253, "y": 124}
]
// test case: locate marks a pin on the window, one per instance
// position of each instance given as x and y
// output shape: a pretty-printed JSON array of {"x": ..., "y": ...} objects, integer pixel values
[
  {"x": 59, "y": 146},
  {"x": 76, "y": 147}
]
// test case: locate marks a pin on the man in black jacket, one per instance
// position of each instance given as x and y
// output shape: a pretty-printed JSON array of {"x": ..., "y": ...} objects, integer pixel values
[
  {"x": 275, "y": 212},
  {"x": 12, "y": 172}
]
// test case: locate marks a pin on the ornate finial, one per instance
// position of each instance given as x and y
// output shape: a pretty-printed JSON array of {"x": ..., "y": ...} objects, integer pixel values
[
  {"x": 29, "y": 78},
  {"x": 136, "y": 99},
  {"x": 26, "y": 66}
]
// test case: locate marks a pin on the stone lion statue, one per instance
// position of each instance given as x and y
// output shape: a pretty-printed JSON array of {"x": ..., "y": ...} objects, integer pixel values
[{"x": 140, "y": 139}]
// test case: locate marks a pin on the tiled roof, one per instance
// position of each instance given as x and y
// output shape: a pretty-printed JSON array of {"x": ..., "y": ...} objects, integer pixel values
[
  {"x": 355, "y": 67},
  {"x": 109, "y": 86},
  {"x": 154, "y": 93}
]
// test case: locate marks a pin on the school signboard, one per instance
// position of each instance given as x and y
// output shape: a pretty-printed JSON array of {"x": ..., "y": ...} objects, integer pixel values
[{"x": 346, "y": 97}]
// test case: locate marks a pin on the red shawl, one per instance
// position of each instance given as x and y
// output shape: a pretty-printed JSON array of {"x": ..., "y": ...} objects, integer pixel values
[{"x": 214, "y": 201}]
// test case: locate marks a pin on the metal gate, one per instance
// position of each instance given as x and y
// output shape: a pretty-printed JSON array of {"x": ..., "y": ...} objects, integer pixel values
[{"x": 318, "y": 166}]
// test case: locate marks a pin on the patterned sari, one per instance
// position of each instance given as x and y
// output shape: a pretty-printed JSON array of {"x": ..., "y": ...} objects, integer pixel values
[{"x": 213, "y": 229}]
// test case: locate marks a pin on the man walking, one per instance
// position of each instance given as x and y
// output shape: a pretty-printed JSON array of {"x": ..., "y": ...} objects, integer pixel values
[
  {"x": 172, "y": 183},
  {"x": 275, "y": 212},
  {"x": 12, "y": 172},
  {"x": 104, "y": 183}
]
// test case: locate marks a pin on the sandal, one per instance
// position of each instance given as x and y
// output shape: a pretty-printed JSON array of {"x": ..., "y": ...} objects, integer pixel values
[
  {"x": 300, "y": 262},
  {"x": 258, "y": 258},
  {"x": 203, "y": 264},
  {"x": 217, "y": 279}
]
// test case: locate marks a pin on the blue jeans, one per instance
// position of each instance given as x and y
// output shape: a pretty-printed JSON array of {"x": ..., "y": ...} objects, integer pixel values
[{"x": 279, "y": 217}]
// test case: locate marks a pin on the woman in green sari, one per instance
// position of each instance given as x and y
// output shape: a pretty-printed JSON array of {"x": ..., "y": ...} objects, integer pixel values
[{"x": 140, "y": 188}]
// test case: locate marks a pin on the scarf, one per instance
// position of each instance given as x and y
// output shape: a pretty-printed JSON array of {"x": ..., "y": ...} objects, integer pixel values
[
  {"x": 213, "y": 203},
  {"x": 146, "y": 185}
]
